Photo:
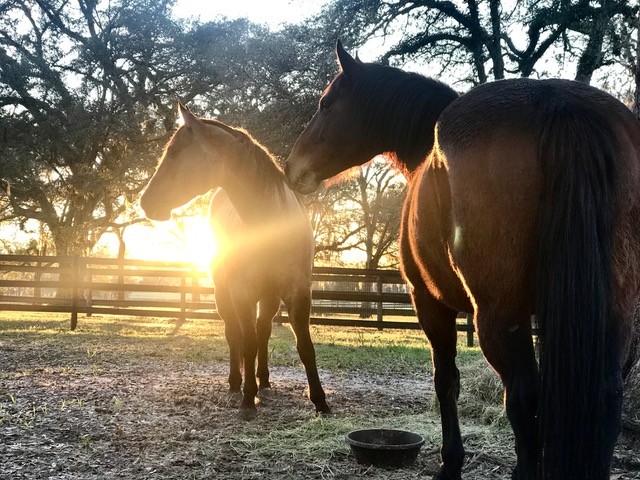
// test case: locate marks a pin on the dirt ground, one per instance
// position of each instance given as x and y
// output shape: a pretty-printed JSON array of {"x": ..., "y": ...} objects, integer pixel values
[{"x": 78, "y": 410}]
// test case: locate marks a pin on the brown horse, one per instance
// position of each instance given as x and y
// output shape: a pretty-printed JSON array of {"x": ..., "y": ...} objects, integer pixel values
[
  {"x": 524, "y": 197},
  {"x": 266, "y": 239}
]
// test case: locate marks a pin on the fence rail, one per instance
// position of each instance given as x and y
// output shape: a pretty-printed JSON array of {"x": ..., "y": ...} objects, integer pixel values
[{"x": 84, "y": 285}]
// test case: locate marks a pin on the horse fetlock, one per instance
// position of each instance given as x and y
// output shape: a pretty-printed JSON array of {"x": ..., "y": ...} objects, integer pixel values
[
  {"x": 320, "y": 401},
  {"x": 452, "y": 455},
  {"x": 235, "y": 390}
]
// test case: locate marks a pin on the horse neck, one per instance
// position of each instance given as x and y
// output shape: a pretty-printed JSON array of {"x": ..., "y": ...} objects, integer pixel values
[
  {"x": 404, "y": 116},
  {"x": 258, "y": 192}
]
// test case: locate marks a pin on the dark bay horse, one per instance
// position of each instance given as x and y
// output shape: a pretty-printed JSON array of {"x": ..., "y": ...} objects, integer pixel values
[
  {"x": 524, "y": 197},
  {"x": 266, "y": 240}
]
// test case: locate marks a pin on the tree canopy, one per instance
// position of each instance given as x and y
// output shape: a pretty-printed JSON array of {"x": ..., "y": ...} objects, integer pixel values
[
  {"x": 88, "y": 91},
  {"x": 86, "y": 94},
  {"x": 499, "y": 39}
]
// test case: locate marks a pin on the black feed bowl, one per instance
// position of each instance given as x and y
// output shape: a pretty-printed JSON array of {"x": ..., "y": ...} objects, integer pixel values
[{"x": 385, "y": 447}]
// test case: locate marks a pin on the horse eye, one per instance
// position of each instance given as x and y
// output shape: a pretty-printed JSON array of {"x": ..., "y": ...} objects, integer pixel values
[{"x": 324, "y": 104}]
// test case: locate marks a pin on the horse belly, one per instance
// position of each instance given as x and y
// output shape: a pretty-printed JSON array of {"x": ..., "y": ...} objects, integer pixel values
[{"x": 424, "y": 239}]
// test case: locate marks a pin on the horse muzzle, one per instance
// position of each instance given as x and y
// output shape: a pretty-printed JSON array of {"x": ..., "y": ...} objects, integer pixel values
[{"x": 300, "y": 179}]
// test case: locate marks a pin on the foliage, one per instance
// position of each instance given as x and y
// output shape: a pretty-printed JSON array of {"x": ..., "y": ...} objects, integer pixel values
[
  {"x": 86, "y": 90},
  {"x": 272, "y": 79},
  {"x": 499, "y": 40},
  {"x": 363, "y": 214}
]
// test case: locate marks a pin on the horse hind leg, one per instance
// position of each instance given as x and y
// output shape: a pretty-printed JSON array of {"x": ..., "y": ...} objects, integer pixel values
[
  {"x": 268, "y": 307},
  {"x": 507, "y": 345},
  {"x": 299, "y": 307},
  {"x": 439, "y": 324}
]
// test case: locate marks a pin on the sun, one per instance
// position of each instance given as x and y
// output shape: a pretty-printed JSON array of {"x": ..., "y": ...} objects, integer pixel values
[{"x": 181, "y": 239}]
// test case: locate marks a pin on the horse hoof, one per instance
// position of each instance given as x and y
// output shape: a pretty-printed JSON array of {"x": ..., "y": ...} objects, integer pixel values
[
  {"x": 247, "y": 414},
  {"x": 323, "y": 410}
]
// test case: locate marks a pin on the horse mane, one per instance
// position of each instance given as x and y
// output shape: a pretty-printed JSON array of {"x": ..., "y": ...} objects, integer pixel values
[
  {"x": 266, "y": 168},
  {"x": 402, "y": 106}
]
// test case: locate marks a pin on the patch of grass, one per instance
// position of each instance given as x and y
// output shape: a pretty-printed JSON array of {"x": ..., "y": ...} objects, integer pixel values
[
  {"x": 104, "y": 338},
  {"x": 481, "y": 394},
  {"x": 369, "y": 350}
]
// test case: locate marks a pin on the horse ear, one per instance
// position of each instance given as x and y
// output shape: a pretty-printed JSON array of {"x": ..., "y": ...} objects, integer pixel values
[
  {"x": 358, "y": 58},
  {"x": 347, "y": 63},
  {"x": 187, "y": 118}
]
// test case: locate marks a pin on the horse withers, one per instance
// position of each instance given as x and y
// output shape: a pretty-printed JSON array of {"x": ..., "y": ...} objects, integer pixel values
[
  {"x": 524, "y": 197},
  {"x": 266, "y": 243}
]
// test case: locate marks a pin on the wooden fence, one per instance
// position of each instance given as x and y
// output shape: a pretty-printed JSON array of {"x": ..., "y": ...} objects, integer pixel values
[{"x": 78, "y": 285}]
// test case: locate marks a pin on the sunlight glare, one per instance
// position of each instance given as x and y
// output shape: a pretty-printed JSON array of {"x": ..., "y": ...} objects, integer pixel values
[
  {"x": 188, "y": 239},
  {"x": 200, "y": 245}
]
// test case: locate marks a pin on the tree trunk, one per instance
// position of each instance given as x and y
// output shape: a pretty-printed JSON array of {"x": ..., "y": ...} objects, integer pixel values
[
  {"x": 66, "y": 245},
  {"x": 591, "y": 58}
]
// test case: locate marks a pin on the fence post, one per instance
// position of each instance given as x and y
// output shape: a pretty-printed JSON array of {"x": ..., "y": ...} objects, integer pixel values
[
  {"x": 183, "y": 296},
  {"x": 75, "y": 276},
  {"x": 37, "y": 292},
  {"x": 470, "y": 329},
  {"x": 120, "y": 271},
  {"x": 379, "y": 292},
  {"x": 87, "y": 293}
]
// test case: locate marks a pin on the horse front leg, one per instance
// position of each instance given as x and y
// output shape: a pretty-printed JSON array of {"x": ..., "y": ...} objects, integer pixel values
[
  {"x": 233, "y": 334},
  {"x": 439, "y": 324},
  {"x": 299, "y": 307},
  {"x": 245, "y": 309},
  {"x": 508, "y": 346},
  {"x": 268, "y": 307}
]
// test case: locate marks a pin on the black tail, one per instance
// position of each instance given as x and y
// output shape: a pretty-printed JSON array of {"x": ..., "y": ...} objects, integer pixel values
[{"x": 574, "y": 284}]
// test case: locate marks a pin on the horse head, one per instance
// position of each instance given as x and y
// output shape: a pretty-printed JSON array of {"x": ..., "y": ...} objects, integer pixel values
[
  {"x": 335, "y": 139},
  {"x": 189, "y": 166}
]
